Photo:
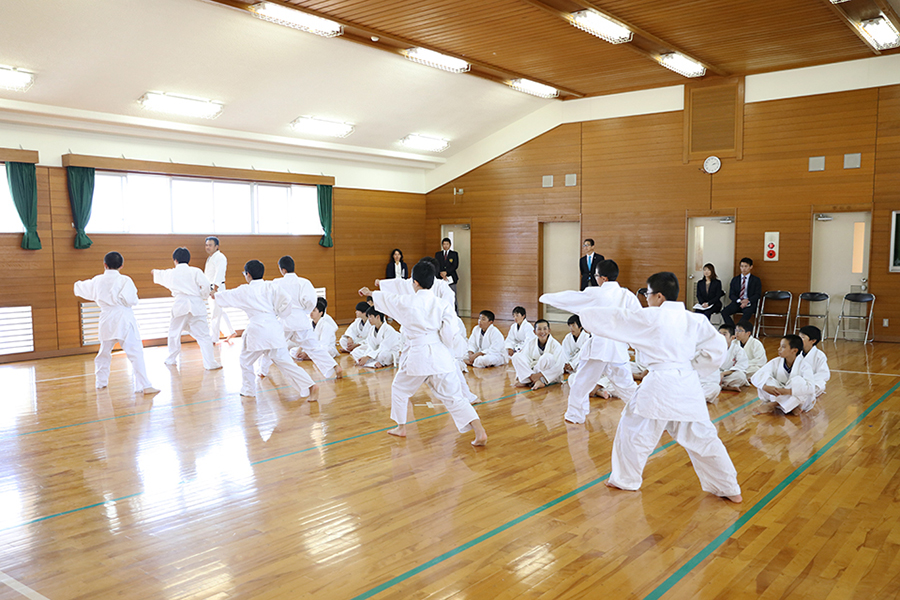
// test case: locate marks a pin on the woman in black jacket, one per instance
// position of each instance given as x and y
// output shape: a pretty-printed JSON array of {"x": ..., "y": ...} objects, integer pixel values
[
  {"x": 396, "y": 267},
  {"x": 709, "y": 292}
]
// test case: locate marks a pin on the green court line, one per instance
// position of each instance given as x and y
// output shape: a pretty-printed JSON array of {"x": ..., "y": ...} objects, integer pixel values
[
  {"x": 746, "y": 517},
  {"x": 498, "y": 530}
]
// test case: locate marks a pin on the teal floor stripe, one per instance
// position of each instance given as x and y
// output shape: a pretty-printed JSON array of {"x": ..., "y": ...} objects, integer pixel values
[{"x": 746, "y": 517}]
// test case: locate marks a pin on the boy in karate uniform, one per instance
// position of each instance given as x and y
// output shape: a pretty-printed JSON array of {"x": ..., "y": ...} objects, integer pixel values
[
  {"x": 325, "y": 330},
  {"x": 606, "y": 357},
  {"x": 541, "y": 361},
  {"x": 786, "y": 382},
  {"x": 756, "y": 352},
  {"x": 358, "y": 331},
  {"x": 574, "y": 342},
  {"x": 381, "y": 345},
  {"x": 520, "y": 333},
  {"x": 678, "y": 347},
  {"x": 486, "y": 345},
  {"x": 190, "y": 288},
  {"x": 815, "y": 358},
  {"x": 732, "y": 371},
  {"x": 115, "y": 294},
  {"x": 430, "y": 326},
  {"x": 264, "y": 302},
  {"x": 441, "y": 288},
  {"x": 215, "y": 268}
]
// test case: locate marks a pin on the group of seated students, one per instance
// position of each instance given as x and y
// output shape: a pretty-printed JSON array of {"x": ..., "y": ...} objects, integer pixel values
[{"x": 370, "y": 340}]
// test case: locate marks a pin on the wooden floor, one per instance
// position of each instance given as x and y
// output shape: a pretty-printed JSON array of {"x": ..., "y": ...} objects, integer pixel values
[{"x": 199, "y": 493}]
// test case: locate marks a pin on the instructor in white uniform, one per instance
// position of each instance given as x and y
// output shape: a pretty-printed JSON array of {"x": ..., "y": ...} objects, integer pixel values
[{"x": 216, "y": 265}]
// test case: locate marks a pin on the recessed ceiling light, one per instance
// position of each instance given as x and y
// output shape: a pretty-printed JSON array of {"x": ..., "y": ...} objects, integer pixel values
[
  {"x": 15, "y": 79},
  {"x": 181, "y": 105},
  {"x": 534, "y": 88},
  {"x": 600, "y": 25},
  {"x": 424, "y": 142},
  {"x": 296, "y": 19},
  {"x": 315, "y": 126},
  {"x": 881, "y": 32},
  {"x": 682, "y": 65},
  {"x": 436, "y": 60}
]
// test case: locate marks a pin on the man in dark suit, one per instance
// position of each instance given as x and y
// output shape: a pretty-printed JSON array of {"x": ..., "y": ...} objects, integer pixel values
[
  {"x": 745, "y": 292},
  {"x": 588, "y": 264},
  {"x": 448, "y": 263}
]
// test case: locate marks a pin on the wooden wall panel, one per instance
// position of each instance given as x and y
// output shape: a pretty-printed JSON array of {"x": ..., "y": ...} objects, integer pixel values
[{"x": 884, "y": 284}]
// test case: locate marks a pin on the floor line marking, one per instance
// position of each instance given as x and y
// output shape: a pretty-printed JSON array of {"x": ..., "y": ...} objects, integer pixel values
[
  {"x": 866, "y": 373},
  {"x": 20, "y": 587}
]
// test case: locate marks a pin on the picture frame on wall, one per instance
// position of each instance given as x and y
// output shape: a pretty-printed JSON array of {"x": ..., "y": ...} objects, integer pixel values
[{"x": 894, "y": 266}]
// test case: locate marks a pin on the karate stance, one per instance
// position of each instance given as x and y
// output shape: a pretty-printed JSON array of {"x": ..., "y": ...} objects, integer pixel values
[
  {"x": 115, "y": 294},
  {"x": 486, "y": 347},
  {"x": 541, "y": 361},
  {"x": 215, "y": 268},
  {"x": 786, "y": 382}
]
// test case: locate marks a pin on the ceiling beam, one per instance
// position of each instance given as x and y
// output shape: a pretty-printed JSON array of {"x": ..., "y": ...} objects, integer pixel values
[{"x": 852, "y": 24}]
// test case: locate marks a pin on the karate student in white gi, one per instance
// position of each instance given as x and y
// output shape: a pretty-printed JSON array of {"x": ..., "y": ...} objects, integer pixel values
[
  {"x": 732, "y": 373},
  {"x": 756, "y": 352},
  {"x": 815, "y": 358},
  {"x": 298, "y": 329},
  {"x": 486, "y": 346},
  {"x": 115, "y": 294},
  {"x": 381, "y": 345},
  {"x": 430, "y": 326},
  {"x": 325, "y": 329},
  {"x": 190, "y": 288},
  {"x": 606, "y": 357},
  {"x": 441, "y": 288},
  {"x": 574, "y": 342},
  {"x": 786, "y": 382},
  {"x": 358, "y": 331},
  {"x": 541, "y": 361},
  {"x": 520, "y": 332},
  {"x": 678, "y": 347},
  {"x": 264, "y": 302},
  {"x": 216, "y": 265}
]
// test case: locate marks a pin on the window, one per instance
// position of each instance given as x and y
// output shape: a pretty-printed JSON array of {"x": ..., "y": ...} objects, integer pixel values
[
  {"x": 138, "y": 203},
  {"x": 9, "y": 217}
]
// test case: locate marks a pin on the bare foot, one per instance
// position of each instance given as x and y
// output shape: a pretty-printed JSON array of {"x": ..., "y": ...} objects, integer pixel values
[
  {"x": 573, "y": 422},
  {"x": 480, "y": 433},
  {"x": 736, "y": 499},
  {"x": 519, "y": 384},
  {"x": 243, "y": 395},
  {"x": 215, "y": 367},
  {"x": 612, "y": 485},
  {"x": 338, "y": 372},
  {"x": 399, "y": 431},
  {"x": 149, "y": 391},
  {"x": 766, "y": 409},
  {"x": 538, "y": 385},
  {"x": 313, "y": 394},
  {"x": 600, "y": 393}
]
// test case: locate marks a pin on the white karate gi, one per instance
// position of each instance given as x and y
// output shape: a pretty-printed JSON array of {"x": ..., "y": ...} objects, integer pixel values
[
  {"x": 190, "y": 288},
  {"x": 115, "y": 294},
  {"x": 572, "y": 348},
  {"x": 800, "y": 381},
  {"x": 326, "y": 333},
  {"x": 430, "y": 326},
  {"x": 357, "y": 333},
  {"x": 549, "y": 362},
  {"x": 264, "y": 302},
  {"x": 678, "y": 347},
  {"x": 818, "y": 362},
  {"x": 215, "y": 268},
  {"x": 380, "y": 347},
  {"x": 756, "y": 355},
  {"x": 604, "y": 357},
  {"x": 519, "y": 335},
  {"x": 491, "y": 343},
  {"x": 298, "y": 329},
  {"x": 736, "y": 361}
]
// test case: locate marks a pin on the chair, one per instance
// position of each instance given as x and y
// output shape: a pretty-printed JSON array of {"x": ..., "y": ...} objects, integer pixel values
[
  {"x": 773, "y": 295},
  {"x": 811, "y": 297},
  {"x": 858, "y": 299}
]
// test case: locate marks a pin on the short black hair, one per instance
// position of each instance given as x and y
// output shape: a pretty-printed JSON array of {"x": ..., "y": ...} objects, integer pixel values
[
  {"x": 448, "y": 240},
  {"x": 181, "y": 255},
  {"x": 113, "y": 260},
  {"x": 795, "y": 342},
  {"x": 362, "y": 306},
  {"x": 519, "y": 310},
  {"x": 589, "y": 240},
  {"x": 813, "y": 333},
  {"x": 745, "y": 325},
  {"x": 423, "y": 274},
  {"x": 728, "y": 328},
  {"x": 607, "y": 268},
  {"x": 539, "y": 321},
  {"x": 747, "y": 260},
  {"x": 321, "y": 305},
  {"x": 371, "y": 312},
  {"x": 433, "y": 262},
  {"x": 665, "y": 283},
  {"x": 213, "y": 238},
  {"x": 286, "y": 263},
  {"x": 254, "y": 269},
  {"x": 575, "y": 319},
  {"x": 488, "y": 314}
]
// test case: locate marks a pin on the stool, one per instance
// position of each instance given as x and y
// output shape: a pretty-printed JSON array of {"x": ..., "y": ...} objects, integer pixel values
[
  {"x": 857, "y": 298},
  {"x": 761, "y": 313},
  {"x": 811, "y": 297}
]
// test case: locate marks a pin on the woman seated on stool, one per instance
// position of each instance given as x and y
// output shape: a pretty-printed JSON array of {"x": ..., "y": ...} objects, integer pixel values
[{"x": 709, "y": 292}]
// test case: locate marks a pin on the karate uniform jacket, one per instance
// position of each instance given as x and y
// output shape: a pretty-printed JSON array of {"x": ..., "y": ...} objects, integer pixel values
[
  {"x": 303, "y": 300},
  {"x": 552, "y": 366},
  {"x": 358, "y": 330},
  {"x": 756, "y": 355},
  {"x": 519, "y": 335},
  {"x": 441, "y": 289},
  {"x": 215, "y": 268},
  {"x": 818, "y": 362},
  {"x": 326, "y": 332},
  {"x": 382, "y": 344},
  {"x": 264, "y": 302},
  {"x": 189, "y": 287},
  {"x": 490, "y": 343},
  {"x": 800, "y": 380},
  {"x": 735, "y": 358},
  {"x": 573, "y": 348},
  {"x": 115, "y": 294}
]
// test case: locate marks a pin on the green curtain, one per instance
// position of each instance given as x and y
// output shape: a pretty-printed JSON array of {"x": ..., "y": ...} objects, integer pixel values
[
  {"x": 23, "y": 188},
  {"x": 81, "y": 196},
  {"x": 324, "y": 192}
]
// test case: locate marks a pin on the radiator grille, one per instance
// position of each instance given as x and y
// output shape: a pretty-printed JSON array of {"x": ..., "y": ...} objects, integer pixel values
[{"x": 16, "y": 330}]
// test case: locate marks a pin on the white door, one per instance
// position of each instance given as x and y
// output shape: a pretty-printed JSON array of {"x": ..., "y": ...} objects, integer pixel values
[
  {"x": 562, "y": 251},
  {"x": 840, "y": 264},
  {"x": 460, "y": 240},
  {"x": 710, "y": 240}
]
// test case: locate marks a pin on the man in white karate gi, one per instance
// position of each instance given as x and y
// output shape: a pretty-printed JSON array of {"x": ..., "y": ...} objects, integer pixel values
[
  {"x": 190, "y": 288},
  {"x": 116, "y": 294},
  {"x": 358, "y": 331},
  {"x": 815, "y": 358},
  {"x": 216, "y": 265},
  {"x": 381, "y": 345},
  {"x": 264, "y": 302},
  {"x": 732, "y": 372},
  {"x": 605, "y": 357},
  {"x": 678, "y": 347},
  {"x": 541, "y": 361},
  {"x": 756, "y": 352},
  {"x": 574, "y": 342},
  {"x": 486, "y": 346},
  {"x": 325, "y": 329},
  {"x": 430, "y": 327},
  {"x": 520, "y": 332},
  {"x": 786, "y": 383}
]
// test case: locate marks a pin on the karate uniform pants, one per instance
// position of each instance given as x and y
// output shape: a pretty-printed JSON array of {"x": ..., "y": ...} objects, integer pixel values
[
  {"x": 490, "y": 360},
  {"x": 295, "y": 376},
  {"x": 637, "y": 437},
  {"x": 524, "y": 370},
  {"x": 789, "y": 403},
  {"x": 134, "y": 350},
  {"x": 446, "y": 386},
  {"x": 711, "y": 388},
  {"x": 198, "y": 329},
  {"x": 586, "y": 377},
  {"x": 219, "y": 322},
  {"x": 737, "y": 379},
  {"x": 307, "y": 341}
]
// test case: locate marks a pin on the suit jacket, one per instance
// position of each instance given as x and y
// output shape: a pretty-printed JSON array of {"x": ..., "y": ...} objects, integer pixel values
[
  {"x": 450, "y": 264},
  {"x": 389, "y": 270},
  {"x": 713, "y": 295},
  {"x": 587, "y": 278},
  {"x": 754, "y": 290}
]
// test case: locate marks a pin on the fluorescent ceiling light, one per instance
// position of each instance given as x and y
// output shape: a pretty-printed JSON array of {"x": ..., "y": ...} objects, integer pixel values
[
  {"x": 534, "y": 88},
  {"x": 296, "y": 19},
  {"x": 838, "y": 1},
  {"x": 12, "y": 78},
  {"x": 682, "y": 65},
  {"x": 881, "y": 32},
  {"x": 424, "y": 142},
  {"x": 436, "y": 60},
  {"x": 314, "y": 126},
  {"x": 603, "y": 27},
  {"x": 181, "y": 105}
]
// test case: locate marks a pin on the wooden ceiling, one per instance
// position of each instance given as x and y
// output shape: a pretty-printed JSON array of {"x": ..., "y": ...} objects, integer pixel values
[{"x": 504, "y": 39}]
